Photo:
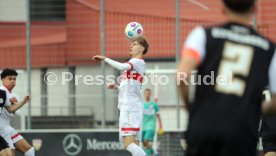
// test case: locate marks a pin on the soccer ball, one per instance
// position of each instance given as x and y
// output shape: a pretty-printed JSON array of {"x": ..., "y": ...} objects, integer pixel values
[{"x": 133, "y": 30}]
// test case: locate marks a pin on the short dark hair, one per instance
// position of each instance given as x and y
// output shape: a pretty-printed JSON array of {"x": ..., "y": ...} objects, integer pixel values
[
  {"x": 239, "y": 6},
  {"x": 143, "y": 42},
  {"x": 147, "y": 89},
  {"x": 8, "y": 72}
]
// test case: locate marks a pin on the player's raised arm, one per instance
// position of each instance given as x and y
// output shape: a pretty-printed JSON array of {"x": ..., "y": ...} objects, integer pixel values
[
  {"x": 112, "y": 63},
  {"x": 14, "y": 107}
]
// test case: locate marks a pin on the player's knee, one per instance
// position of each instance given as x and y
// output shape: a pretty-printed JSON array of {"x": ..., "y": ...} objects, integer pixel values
[
  {"x": 26, "y": 148},
  {"x": 126, "y": 144},
  {"x": 23, "y": 146},
  {"x": 127, "y": 141},
  {"x": 145, "y": 143}
]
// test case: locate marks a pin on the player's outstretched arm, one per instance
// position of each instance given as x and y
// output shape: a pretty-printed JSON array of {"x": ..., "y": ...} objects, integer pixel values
[
  {"x": 98, "y": 57},
  {"x": 14, "y": 107},
  {"x": 112, "y": 63}
]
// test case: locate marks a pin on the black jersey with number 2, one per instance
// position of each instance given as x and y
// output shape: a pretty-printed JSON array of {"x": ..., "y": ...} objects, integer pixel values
[{"x": 226, "y": 110}]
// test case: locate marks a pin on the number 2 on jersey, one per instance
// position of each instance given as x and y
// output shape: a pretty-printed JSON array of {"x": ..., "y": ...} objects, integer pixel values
[{"x": 236, "y": 59}]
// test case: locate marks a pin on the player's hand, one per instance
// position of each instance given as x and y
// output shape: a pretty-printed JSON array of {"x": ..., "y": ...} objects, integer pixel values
[
  {"x": 111, "y": 86},
  {"x": 13, "y": 100},
  {"x": 26, "y": 99},
  {"x": 98, "y": 57},
  {"x": 160, "y": 131}
]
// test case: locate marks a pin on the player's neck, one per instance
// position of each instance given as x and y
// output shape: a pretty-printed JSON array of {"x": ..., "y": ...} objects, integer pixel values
[
  {"x": 8, "y": 88},
  {"x": 147, "y": 100},
  {"x": 243, "y": 20},
  {"x": 138, "y": 56}
]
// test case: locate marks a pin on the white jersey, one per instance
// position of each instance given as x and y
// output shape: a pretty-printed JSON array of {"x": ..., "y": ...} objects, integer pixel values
[
  {"x": 5, "y": 115},
  {"x": 10, "y": 135},
  {"x": 130, "y": 95}
]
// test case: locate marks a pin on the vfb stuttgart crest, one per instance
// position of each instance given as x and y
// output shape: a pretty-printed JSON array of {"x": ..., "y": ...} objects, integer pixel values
[{"x": 37, "y": 143}]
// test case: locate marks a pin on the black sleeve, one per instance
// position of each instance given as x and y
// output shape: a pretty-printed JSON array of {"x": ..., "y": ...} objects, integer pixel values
[{"x": 3, "y": 98}]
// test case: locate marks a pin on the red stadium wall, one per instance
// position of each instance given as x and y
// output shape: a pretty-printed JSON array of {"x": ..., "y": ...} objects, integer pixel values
[
  {"x": 83, "y": 31},
  {"x": 75, "y": 41},
  {"x": 48, "y": 44}
]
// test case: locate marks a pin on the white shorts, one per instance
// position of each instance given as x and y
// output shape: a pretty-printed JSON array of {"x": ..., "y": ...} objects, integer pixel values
[
  {"x": 8, "y": 139},
  {"x": 130, "y": 123},
  {"x": 10, "y": 135}
]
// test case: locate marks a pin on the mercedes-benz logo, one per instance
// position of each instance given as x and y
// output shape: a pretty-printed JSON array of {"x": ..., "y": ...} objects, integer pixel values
[{"x": 72, "y": 144}]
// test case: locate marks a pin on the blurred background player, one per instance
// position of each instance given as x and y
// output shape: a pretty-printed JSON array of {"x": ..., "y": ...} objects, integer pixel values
[
  {"x": 130, "y": 100},
  {"x": 268, "y": 131},
  {"x": 151, "y": 112},
  {"x": 9, "y": 105},
  {"x": 224, "y": 117},
  {"x": 4, "y": 147},
  {"x": 14, "y": 139}
]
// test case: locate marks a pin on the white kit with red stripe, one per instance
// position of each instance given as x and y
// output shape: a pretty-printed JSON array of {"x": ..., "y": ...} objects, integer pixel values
[
  {"x": 6, "y": 131},
  {"x": 130, "y": 95},
  {"x": 5, "y": 115},
  {"x": 130, "y": 99}
]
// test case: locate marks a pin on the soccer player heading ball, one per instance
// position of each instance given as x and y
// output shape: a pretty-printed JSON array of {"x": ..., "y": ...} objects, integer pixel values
[
  {"x": 224, "y": 117},
  {"x": 130, "y": 100}
]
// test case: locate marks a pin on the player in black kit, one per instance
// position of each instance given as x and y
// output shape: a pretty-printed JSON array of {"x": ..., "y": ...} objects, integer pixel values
[
  {"x": 224, "y": 115},
  {"x": 268, "y": 131},
  {"x": 269, "y": 135}
]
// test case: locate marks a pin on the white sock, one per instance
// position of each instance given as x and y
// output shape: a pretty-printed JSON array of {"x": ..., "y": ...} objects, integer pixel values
[
  {"x": 135, "y": 150},
  {"x": 30, "y": 152}
]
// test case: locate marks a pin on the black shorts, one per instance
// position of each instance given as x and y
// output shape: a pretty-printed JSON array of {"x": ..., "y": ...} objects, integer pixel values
[
  {"x": 3, "y": 143},
  {"x": 269, "y": 145}
]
